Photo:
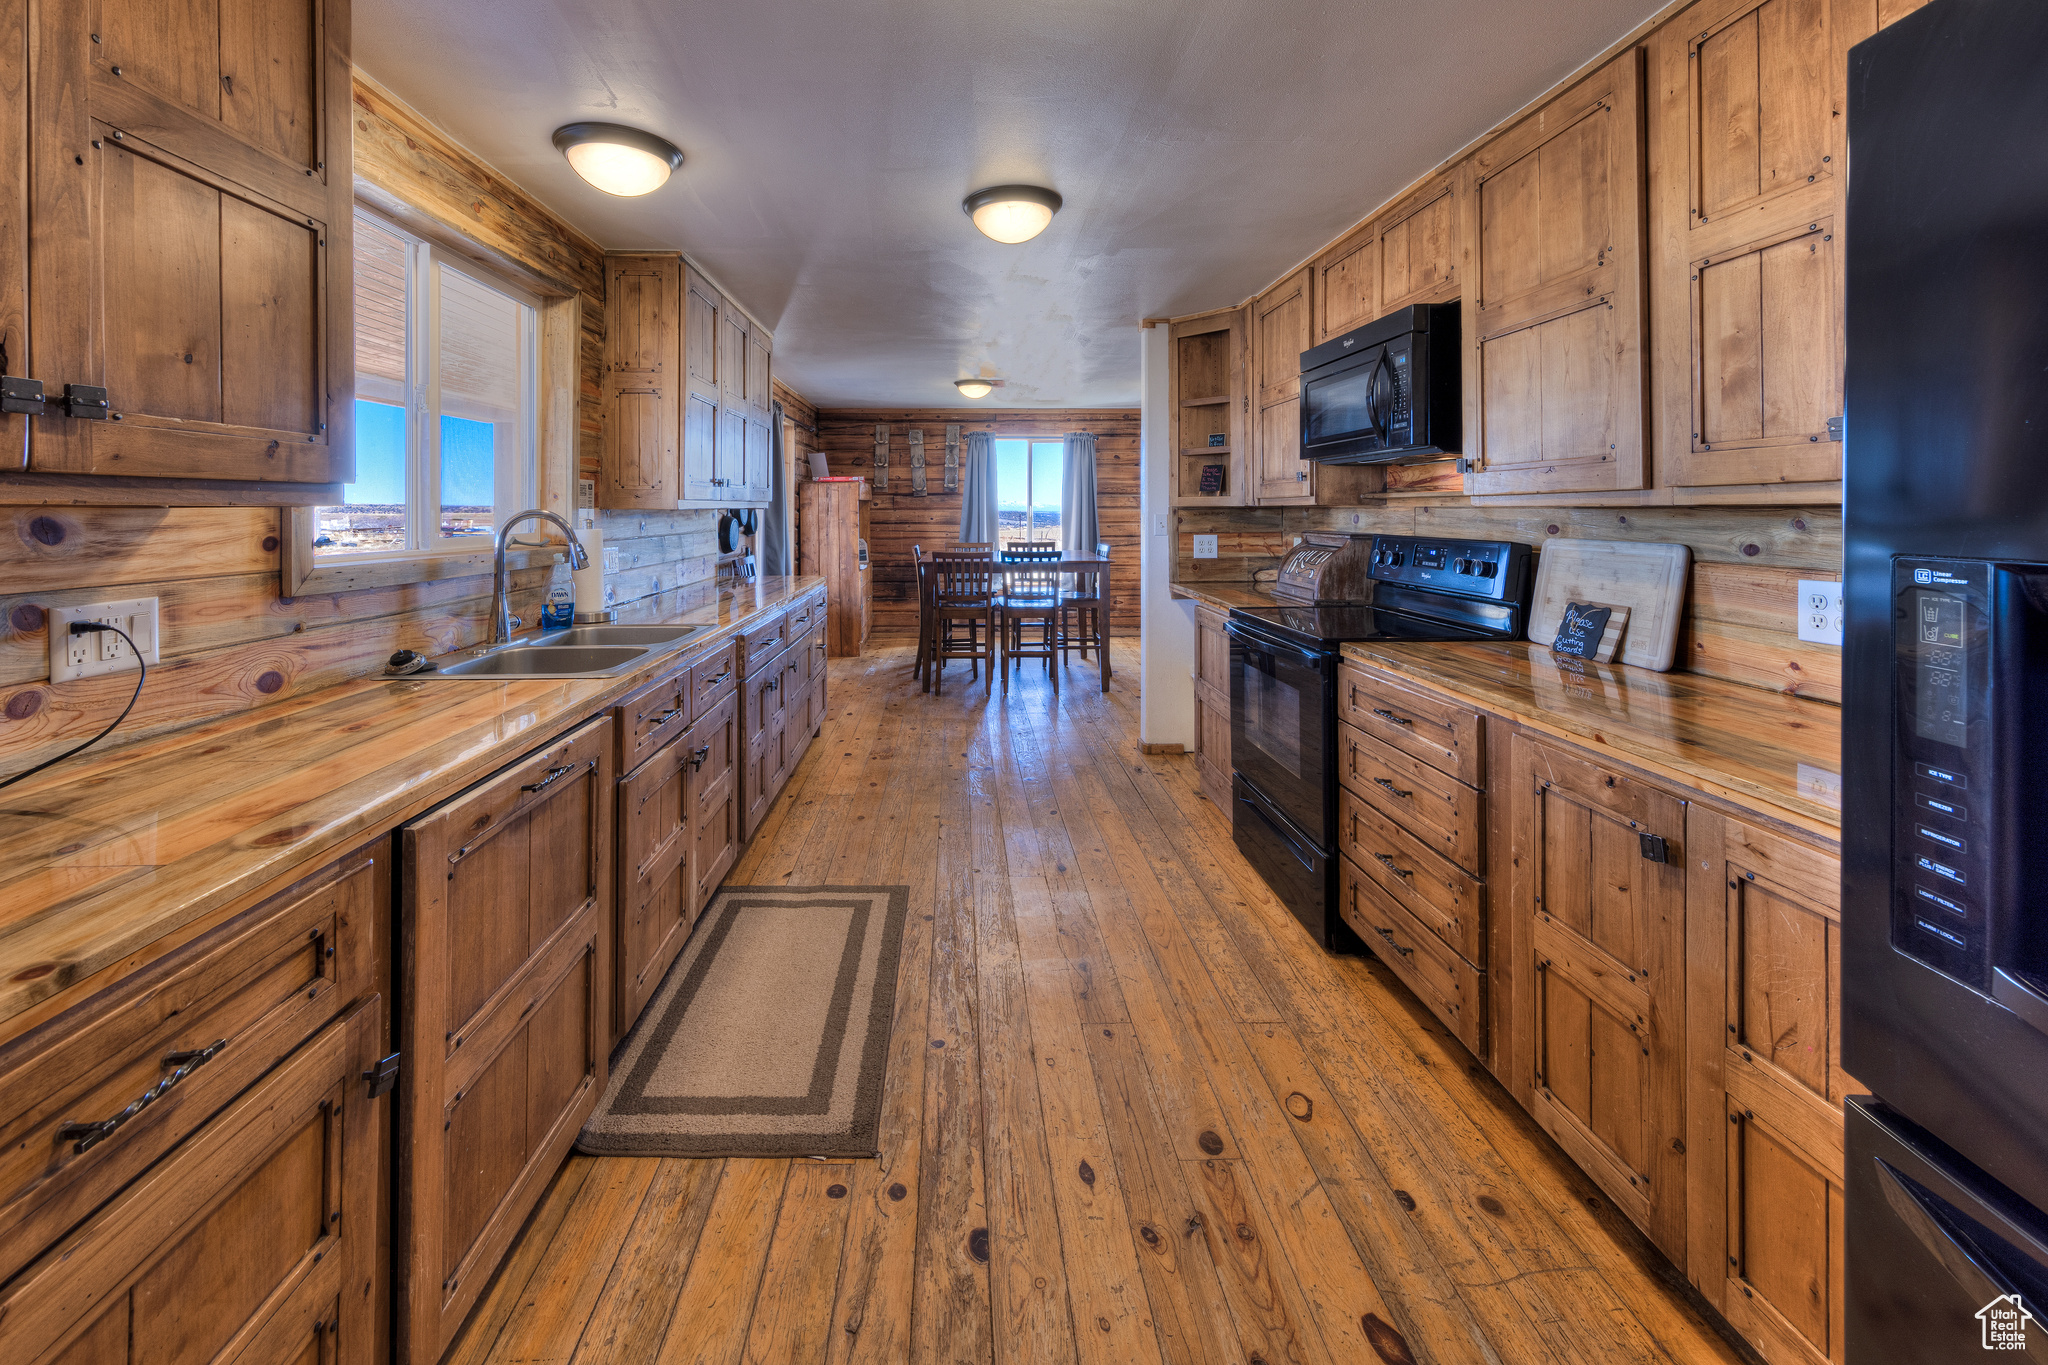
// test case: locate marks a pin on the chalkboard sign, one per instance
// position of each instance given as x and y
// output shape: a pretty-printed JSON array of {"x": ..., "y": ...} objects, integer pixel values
[
  {"x": 1212, "y": 479},
  {"x": 1219, "y": 438},
  {"x": 1589, "y": 631}
]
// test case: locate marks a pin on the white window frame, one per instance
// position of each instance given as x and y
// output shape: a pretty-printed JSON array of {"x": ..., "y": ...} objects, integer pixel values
[
  {"x": 1031, "y": 503},
  {"x": 421, "y": 398}
]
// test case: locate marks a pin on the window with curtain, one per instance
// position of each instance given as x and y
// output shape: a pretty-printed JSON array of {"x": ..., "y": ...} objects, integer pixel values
[
  {"x": 447, "y": 411},
  {"x": 1028, "y": 489}
]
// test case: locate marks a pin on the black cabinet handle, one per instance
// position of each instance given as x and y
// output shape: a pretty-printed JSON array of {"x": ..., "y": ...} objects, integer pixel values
[
  {"x": 1397, "y": 871},
  {"x": 86, "y": 1136},
  {"x": 1382, "y": 782},
  {"x": 715, "y": 681},
  {"x": 1398, "y": 720},
  {"x": 664, "y": 718},
  {"x": 771, "y": 684},
  {"x": 697, "y": 757},
  {"x": 1388, "y": 935},
  {"x": 554, "y": 775}
]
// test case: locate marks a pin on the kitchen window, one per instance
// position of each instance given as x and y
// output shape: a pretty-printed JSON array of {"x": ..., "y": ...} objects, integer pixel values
[
  {"x": 1028, "y": 490},
  {"x": 447, "y": 378}
]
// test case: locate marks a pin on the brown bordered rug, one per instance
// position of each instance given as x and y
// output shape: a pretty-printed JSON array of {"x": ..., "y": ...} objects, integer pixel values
[{"x": 770, "y": 1034}]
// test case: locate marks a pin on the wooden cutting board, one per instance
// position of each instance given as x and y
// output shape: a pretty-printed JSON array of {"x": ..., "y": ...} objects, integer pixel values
[{"x": 1648, "y": 579}]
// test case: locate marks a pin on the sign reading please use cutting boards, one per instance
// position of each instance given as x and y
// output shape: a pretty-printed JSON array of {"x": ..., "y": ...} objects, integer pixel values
[{"x": 1648, "y": 579}]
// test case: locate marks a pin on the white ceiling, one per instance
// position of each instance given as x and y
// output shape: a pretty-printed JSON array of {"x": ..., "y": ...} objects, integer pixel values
[{"x": 1203, "y": 147}]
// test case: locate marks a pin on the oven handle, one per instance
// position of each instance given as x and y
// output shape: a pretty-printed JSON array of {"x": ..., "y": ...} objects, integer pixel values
[
  {"x": 1258, "y": 644},
  {"x": 1274, "y": 825},
  {"x": 1382, "y": 426}
]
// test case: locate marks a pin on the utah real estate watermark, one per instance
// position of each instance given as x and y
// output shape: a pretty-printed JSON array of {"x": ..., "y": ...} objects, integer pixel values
[{"x": 2005, "y": 1321}]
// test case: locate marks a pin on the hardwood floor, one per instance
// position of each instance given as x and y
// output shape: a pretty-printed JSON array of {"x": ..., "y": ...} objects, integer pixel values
[{"x": 1132, "y": 1114}]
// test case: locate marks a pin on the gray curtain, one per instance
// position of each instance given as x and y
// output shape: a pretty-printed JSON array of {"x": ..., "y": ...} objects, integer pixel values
[
  {"x": 777, "y": 554},
  {"x": 978, "y": 490},
  {"x": 1079, "y": 526}
]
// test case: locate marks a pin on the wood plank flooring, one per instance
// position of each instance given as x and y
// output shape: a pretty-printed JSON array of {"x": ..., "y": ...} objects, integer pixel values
[{"x": 1133, "y": 1114}]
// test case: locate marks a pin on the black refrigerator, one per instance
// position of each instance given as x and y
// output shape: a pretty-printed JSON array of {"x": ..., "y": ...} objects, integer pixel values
[{"x": 1945, "y": 724}]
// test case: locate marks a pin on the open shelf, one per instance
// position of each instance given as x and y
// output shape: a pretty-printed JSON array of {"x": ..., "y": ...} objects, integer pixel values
[
  {"x": 1206, "y": 450},
  {"x": 1204, "y": 402}
]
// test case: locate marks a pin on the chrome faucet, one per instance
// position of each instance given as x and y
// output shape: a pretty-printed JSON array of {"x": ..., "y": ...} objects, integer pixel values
[{"x": 502, "y": 619}]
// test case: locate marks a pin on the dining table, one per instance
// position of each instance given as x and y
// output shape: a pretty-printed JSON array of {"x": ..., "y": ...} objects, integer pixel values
[{"x": 1074, "y": 563}]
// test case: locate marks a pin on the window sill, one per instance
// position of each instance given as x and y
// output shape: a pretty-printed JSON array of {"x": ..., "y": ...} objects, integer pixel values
[{"x": 313, "y": 577}]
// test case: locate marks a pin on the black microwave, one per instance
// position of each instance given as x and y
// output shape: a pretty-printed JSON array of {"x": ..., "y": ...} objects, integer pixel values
[{"x": 1387, "y": 393}]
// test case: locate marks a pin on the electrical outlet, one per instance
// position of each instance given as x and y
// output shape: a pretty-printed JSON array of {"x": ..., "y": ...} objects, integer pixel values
[
  {"x": 1205, "y": 547},
  {"x": 1821, "y": 608},
  {"x": 87, "y": 656}
]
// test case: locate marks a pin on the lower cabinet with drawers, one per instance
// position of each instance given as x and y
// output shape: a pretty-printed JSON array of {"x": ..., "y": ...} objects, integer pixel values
[
  {"x": 1652, "y": 972},
  {"x": 192, "y": 1162},
  {"x": 782, "y": 703}
]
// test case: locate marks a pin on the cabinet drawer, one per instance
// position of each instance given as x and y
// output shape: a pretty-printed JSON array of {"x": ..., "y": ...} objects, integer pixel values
[
  {"x": 1440, "y": 978},
  {"x": 173, "y": 1047},
  {"x": 1435, "y": 891},
  {"x": 1442, "y": 734},
  {"x": 1436, "y": 808},
  {"x": 252, "y": 1241},
  {"x": 713, "y": 676},
  {"x": 652, "y": 716},
  {"x": 805, "y": 614},
  {"x": 765, "y": 639}
]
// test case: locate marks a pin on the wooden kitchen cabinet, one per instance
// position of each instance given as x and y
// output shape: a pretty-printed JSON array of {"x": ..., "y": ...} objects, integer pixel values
[
  {"x": 714, "y": 796},
  {"x": 685, "y": 392},
  {"x": 1554, "y": 308},
  {"x": 1764, "y": 1227},
  {"x": 1599, "y": 896},
  {"x": 1750, "y": 144},
  {"x": 1280, "y": 332},
  {"x": 254, "y": 1241},
  {"x": 1212, "y": 706},
  {"x": 1209, "y": 407},
  {"x": 507, "y": 902},
  {"x": 832, "y": 539},
  {"x": 189, "y": 193}
]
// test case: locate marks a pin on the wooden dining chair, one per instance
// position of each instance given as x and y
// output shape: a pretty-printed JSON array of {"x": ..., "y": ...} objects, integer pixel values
[
  {"x": 921, "y": 584},
  {"x": 962, "y": 594},
  {"x": 1084, "y": 599},
  {"x": 1030, "y": 597}
]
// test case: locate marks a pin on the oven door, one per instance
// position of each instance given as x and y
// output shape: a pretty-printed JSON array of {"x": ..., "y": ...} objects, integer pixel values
[{"x": 1282, "y": 714}]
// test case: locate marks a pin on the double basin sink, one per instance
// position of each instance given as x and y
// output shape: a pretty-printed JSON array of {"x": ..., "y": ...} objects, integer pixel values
[{"x": 579, "y": 652}]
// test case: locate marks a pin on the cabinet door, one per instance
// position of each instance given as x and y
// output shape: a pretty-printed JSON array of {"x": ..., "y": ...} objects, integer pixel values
[
  {"x": 254, "y": 1241},
  {"x": 1210, "y": 404},
  {"x": 642, "y": 374},
  {"x": 508, "y": 898},
  {"x": 713, "y": 791},
  {"x": 1554, "y": 315},
  {"x": 1606, "y": 943},
  {"x": 1280, "y": 333},
  {"x": 1419, "y": 244},
  {"x": 1750, "y": 116},
  {"x": 700, "y": 447},
  {"x": 190, "y": 201},
  {"x": 760, "y": 347},
  {"x": 702, "y": 319},
  {"x": 1764, "y": 1230},
  {"x": 760, "y": 458},
  {"x": 729, "y": 455},
  {"x": 1347, "y": 285},
  {"x": 734, "y": 340},
  {"x": 654, "y": 903}
]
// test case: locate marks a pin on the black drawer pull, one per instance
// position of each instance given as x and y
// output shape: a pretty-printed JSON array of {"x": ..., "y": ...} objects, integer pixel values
[
  {"x": 1398, "y": 720},
  {"x": 1389, "y": 863},
  {"x": 1388, "y": 935},
  {"x": 713, "y": 682},
  {"x": 771, "y": 684},
  {"x": 554, "y": 775},
  {"x": 697, "y": 757},
  {"x": 1382, "y": 782},
  {"x": 664, "y": 718},
  {"x": 89, "y": 1135}
]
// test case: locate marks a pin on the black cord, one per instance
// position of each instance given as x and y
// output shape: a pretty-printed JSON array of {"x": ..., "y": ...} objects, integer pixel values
[{"x": 90, "y": 628}]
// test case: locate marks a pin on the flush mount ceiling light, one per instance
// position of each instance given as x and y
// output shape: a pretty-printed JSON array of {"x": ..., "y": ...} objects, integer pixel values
[
  {"x": 1012, "y": 213},
  {"x": 617, "y": 159},
  {"x": 977, "y": 388}
]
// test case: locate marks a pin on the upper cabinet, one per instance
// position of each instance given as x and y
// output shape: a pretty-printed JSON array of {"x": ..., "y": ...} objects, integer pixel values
[
  {"x": 1281, "y": 329},
  {"x": 686, "y": 384},
  {"x": 1418, "y": 241},
  {"x": 1210, "y": 405},
  {"x": 1750, "y": 136},
  {"x": 189, "y": 193},
  {"x": 1554, "y": 307}
]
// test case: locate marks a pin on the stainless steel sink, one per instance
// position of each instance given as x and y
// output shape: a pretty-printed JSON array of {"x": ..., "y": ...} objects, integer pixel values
[
  {"x": 650, "y": 637},
  {"x": 549, "y": 661}
]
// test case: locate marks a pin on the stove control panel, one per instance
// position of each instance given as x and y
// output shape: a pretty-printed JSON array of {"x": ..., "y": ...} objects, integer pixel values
[{"x": 1493, "y": 569}]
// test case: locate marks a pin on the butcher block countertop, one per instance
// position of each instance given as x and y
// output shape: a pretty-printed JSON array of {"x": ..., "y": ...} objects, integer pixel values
[
  {"x": 108, "y": 855},
  {"x": 1769, "y": 752}
]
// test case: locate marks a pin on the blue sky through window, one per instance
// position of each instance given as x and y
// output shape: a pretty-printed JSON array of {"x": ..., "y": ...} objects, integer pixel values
[
  {"x": 380, "y": 456},
  {"x": 468, "y": 462},
  {"x": 1028, "y": 488}
]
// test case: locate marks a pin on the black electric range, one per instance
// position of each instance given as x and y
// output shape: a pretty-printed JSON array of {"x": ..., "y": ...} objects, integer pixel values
[{"x": 1283, "y": 698}]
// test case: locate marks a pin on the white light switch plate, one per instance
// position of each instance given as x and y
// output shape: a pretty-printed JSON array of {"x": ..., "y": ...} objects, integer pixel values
[
  {"x": 1821, "y": 608},
  {"x": 87, "y": 656},
  {"x": 1205, "y": 547},
  {"x": 1159, "y": 525}
]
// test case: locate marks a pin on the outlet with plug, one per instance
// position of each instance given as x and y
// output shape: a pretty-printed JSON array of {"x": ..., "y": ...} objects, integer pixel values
[
  {"x": 1821, "y": 609},
  {"x": 97, "y": 652}
]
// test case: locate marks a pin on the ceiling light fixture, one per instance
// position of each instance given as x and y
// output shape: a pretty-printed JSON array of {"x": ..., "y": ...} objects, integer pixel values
[
  {"x": 977, "y": 388},
  {"x": 617, "y": 159},
  {"x": 1012, "y": 213}
]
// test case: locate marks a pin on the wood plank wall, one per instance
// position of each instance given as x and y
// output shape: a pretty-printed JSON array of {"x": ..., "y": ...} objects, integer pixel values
[
  {"x": 898, "y": 520},
  {"x": 228, "y": 641},
  {"x": 1740, "y": 621}
]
